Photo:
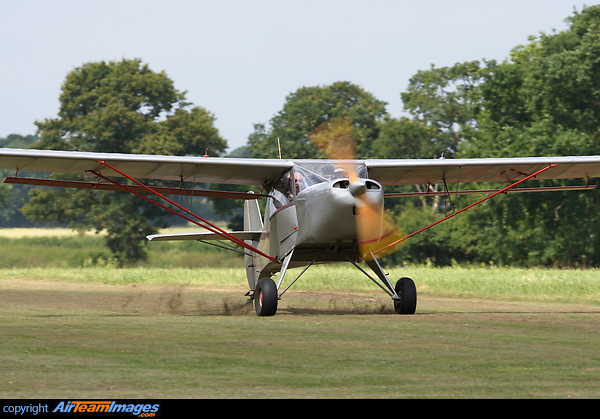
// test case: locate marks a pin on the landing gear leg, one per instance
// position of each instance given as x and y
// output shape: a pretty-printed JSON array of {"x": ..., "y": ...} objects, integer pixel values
[{"x": 404, "y": 294}]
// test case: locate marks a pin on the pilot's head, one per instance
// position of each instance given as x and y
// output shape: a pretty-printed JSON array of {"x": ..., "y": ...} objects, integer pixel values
[{"x": 298, "y": 182}]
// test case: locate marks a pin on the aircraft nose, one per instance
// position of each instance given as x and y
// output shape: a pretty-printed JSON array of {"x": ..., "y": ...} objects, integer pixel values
[{"x": 358, "y": 187}]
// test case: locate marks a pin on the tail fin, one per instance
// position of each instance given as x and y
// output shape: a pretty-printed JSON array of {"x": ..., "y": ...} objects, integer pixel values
[
  {"x": 252, "y": 222},
  {"x": 252, "y": 216}
]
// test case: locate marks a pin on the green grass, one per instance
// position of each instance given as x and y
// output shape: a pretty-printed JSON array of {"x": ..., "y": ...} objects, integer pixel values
[
  {"x": 77, "y": 327},
  {"x": 85, "y": 342},
  {"x": 63, "y": 255},
  {"x": 512, "y": 284},
  {"x": 521, "y": 284},
  {"x": 58, "y": 249}
]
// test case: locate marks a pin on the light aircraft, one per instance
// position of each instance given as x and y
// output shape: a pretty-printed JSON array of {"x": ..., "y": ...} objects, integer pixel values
[{"x": 317, "y": 211}]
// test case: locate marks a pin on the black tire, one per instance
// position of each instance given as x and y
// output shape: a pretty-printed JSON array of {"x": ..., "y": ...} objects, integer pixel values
[
  {"x": 265, "y": 297},
  {"x": 407, "y": 291}
]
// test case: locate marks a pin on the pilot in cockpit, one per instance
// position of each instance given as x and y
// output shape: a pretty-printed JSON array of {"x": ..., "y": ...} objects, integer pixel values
[
  {"x": 298, "y": 182},
  {"x": 282, "y": 192}
]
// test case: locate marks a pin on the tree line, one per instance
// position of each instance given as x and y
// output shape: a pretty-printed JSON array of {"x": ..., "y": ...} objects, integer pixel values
[{"x": 543, "y": 100}]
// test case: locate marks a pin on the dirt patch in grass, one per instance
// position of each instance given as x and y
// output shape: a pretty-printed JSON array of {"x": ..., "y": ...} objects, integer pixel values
[
  {"x": 178, "y": 299},
  {"x": 182, "y": 300}
]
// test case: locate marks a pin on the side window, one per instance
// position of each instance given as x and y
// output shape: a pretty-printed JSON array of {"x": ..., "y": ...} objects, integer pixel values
[
  {"x": 299, "y": 182},
  {"x": 281, "y": 194},
  {"x": 279, "y": 199}
]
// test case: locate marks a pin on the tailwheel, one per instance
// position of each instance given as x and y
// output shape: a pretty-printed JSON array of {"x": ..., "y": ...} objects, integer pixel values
[
  {"x": 265, "y": 297},
  {"x": 407, "y": 291}
]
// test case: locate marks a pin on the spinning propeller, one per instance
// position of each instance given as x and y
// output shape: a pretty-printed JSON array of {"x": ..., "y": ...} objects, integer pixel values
[{"x": 374, "y": 227}]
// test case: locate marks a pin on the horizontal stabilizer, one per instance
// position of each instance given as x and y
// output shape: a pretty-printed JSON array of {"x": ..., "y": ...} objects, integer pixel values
[{"x": 204, "y": 236}]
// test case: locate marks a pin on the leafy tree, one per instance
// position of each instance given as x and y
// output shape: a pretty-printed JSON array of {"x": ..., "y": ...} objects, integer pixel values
[
  {"x": 447, "y": 101},
  {"x": 307, "y": 108},
  {"x": 543, "y": 101},
  {"x": 122, "y": 107},
  {"x": 18, "y": 141},
  {"x": 12, "y": 197},
  {"x": 4, "y": 201},
  {"x": 404, "y": 138}
]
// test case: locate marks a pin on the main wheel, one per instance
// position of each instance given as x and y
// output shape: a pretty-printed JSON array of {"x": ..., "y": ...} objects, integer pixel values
[
  {"x": 407, "y": 291},
  {"x": 265, "y": 297}
]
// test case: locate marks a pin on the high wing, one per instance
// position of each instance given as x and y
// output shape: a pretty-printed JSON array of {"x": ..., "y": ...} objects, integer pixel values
[
  {"x": 430, "y": 171},
  {"x": 199, "y": 169},
  {"x": 260, "y": 171}
]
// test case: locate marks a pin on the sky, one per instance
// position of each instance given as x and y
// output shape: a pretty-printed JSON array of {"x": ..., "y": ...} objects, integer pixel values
[{"x": 240, "y": 59}]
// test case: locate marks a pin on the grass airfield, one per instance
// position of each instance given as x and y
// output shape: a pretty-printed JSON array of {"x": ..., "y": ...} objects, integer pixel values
[
  {"x": 101, "y": 332},
  {"x": 74, "y": 340}
]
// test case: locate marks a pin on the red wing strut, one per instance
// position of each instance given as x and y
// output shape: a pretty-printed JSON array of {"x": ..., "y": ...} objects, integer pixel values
[
  {"x": 503, "y": 190},
  {"x": 202, "y": 223}
]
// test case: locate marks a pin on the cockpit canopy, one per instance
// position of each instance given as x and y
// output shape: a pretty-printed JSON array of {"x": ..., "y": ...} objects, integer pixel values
[{"x": 307, "y": 174}]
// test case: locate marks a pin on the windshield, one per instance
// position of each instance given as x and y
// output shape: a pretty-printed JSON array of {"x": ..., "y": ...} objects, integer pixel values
[{"x": 307, "y": 174}]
